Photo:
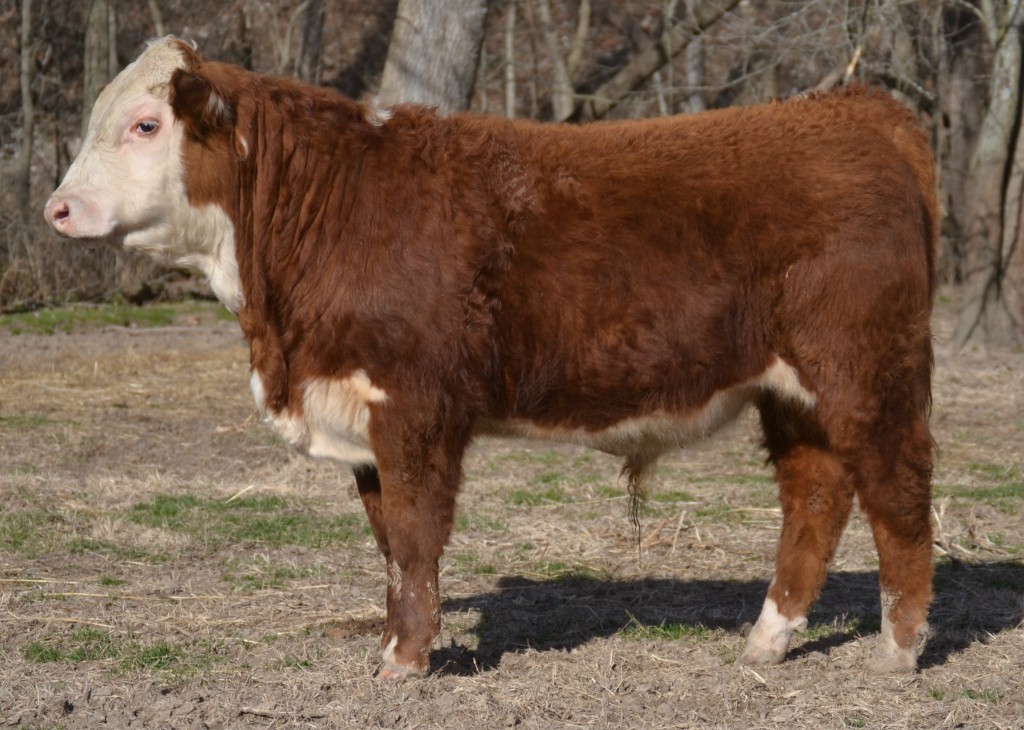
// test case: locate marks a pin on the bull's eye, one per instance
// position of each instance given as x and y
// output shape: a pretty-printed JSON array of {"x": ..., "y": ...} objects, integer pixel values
[{"x": 146, "y": 127}]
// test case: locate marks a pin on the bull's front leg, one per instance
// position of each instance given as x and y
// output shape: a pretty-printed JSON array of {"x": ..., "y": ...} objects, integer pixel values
[{"x": 411, "y": 505}]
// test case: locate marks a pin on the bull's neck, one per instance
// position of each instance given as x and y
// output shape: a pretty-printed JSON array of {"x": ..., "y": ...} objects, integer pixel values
[{"x": 295, "y": 192}]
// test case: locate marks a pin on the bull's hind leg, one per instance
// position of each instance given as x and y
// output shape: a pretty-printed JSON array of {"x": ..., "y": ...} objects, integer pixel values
[
  {"x": 894, "y": 490},
  {"x": 816, "y": 495},
  {"x": 368, "y": 486}
]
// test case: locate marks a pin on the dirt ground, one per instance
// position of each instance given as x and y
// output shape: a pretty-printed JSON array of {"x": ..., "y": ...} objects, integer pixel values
[{"x": 166, "y": 563}]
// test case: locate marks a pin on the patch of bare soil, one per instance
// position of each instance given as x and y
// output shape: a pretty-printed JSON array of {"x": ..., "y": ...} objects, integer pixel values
[{"x": 164, "y": 562}]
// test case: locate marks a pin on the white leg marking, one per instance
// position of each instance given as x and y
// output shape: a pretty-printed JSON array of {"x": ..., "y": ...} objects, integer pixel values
[
  {"x": 890, "y": 656},
  {"x": 259, "y": 393},
  {"x": 388, "y": 654},
  {"x": 769, "y": 639}
]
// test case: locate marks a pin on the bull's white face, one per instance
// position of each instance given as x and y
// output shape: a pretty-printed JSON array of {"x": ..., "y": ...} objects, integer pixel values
[{"x": 127, "y": 183}]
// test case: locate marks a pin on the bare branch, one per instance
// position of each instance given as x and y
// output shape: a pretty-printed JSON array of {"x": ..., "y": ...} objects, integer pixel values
[{"x": 645, "y": 63}]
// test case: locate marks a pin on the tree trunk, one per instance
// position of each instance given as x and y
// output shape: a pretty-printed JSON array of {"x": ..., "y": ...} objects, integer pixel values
[
  {"x": 100, "y": 63},
  {"x": 961, "y": 101},
  {"x": 159, "y": 29},
  {"x": 510, "y": 60},
  {"x": 694, "y": 68},
  {"x": 991, "y": 226},
  {"x": 562, "y": 96},
  {"x": 23, "y": 183},
  {"x": 433, "y": 54},
  {"x": 307, "y": 57},
  {"x": 1010, "y": 300}
]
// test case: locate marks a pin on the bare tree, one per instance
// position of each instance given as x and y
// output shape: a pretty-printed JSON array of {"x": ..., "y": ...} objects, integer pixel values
[
  {"x": 510, "y": 60},
  {"x": 311, "y": 26},
  {"x": 656, "y": 55},
  {"x": 993, "y": 187},
  {"x": 100, "y": 59},
  {"x": 562, "y": 97},
  {"x": 23, "y": 181},
  {"x": 433, "y": 54},
  {"x": 159, "y": 29},
  {"x": 694, "y": 61}
]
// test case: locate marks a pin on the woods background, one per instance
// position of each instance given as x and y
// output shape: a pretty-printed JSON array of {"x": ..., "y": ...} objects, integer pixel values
[{"x": 957, "y": 63}]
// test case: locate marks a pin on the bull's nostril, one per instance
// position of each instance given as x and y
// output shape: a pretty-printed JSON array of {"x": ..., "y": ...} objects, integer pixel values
[{"x": 58, "y": 212}]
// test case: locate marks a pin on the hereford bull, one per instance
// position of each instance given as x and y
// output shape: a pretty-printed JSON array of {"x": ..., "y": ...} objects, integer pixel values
[{"x": 406, "y": 281}]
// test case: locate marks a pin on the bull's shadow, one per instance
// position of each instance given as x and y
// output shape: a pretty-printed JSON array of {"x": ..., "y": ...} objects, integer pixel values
[{"x": 972, "y": 601}]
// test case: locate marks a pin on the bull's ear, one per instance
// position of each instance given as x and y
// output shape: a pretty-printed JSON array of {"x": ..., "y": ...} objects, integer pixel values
[{"x": 199, "y": 105}]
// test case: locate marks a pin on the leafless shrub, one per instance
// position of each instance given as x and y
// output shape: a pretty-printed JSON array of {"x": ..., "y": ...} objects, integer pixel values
[{"x": 37, "y": 268}]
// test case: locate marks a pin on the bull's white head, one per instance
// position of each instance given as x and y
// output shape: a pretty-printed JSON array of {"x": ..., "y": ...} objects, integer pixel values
[{"x": 127, "y": 184}]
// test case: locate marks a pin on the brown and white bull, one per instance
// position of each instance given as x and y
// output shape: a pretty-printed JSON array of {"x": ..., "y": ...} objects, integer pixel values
[{"x": 406, "y": 281}]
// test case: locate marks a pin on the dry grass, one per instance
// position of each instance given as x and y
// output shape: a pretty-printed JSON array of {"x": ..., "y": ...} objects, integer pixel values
[{"x": 131, "y": 465}]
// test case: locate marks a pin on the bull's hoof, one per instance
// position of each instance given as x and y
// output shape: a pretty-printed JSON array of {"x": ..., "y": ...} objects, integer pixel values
[
  {"x": 769, "y": 638},
  {"x": 890, "y": 658},
  {"x": 901, "y": 662},
  {"x": 393, "y": 668},
  {"x": 756, "y": 655},
  {"x": 396, "y": 673}
]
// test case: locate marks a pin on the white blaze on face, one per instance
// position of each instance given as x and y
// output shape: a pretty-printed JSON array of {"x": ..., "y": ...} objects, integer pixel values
[{"x": 127, "y": 183}]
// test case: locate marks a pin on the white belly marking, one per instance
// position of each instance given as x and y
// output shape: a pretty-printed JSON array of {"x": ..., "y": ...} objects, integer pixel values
[{"x": 660, "y": 431}]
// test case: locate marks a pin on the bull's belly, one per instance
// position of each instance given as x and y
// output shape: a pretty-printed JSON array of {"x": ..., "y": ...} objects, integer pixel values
[
  {"x": 654, "y": 433},
  {"x": 335, "y": 417}
]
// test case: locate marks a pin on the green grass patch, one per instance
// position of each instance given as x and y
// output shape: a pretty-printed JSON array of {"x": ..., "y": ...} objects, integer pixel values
[
  {"x": 83, "y": 546},
  {"x": 532, "y": 498},
  {"x": 985, "y": 695},
  {"x": 272, "y": 520},
  {"x": 125, "y": 654},
  {"x": 478, "y": 522},
  {"x": 1002, "y": 487},
  {"x": 664, "y": 631},
  {"x": 550, "y": 477},
  {"x": 25, "y": 531},
  {"x": 106, "y": 580},
  {"x": 263, "y": 575},
  {"x": 41, "y": 653},
  {"x": 470, "y": 563},
  {"x": 25, "y": 421},
  {"x": 671, "y": 497},
  {"x": 84, "y": 316},
  {"x": 840, "y": 627},
  {"x": 997, "y": 472},
  {"x": 718, "y": 513}
]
